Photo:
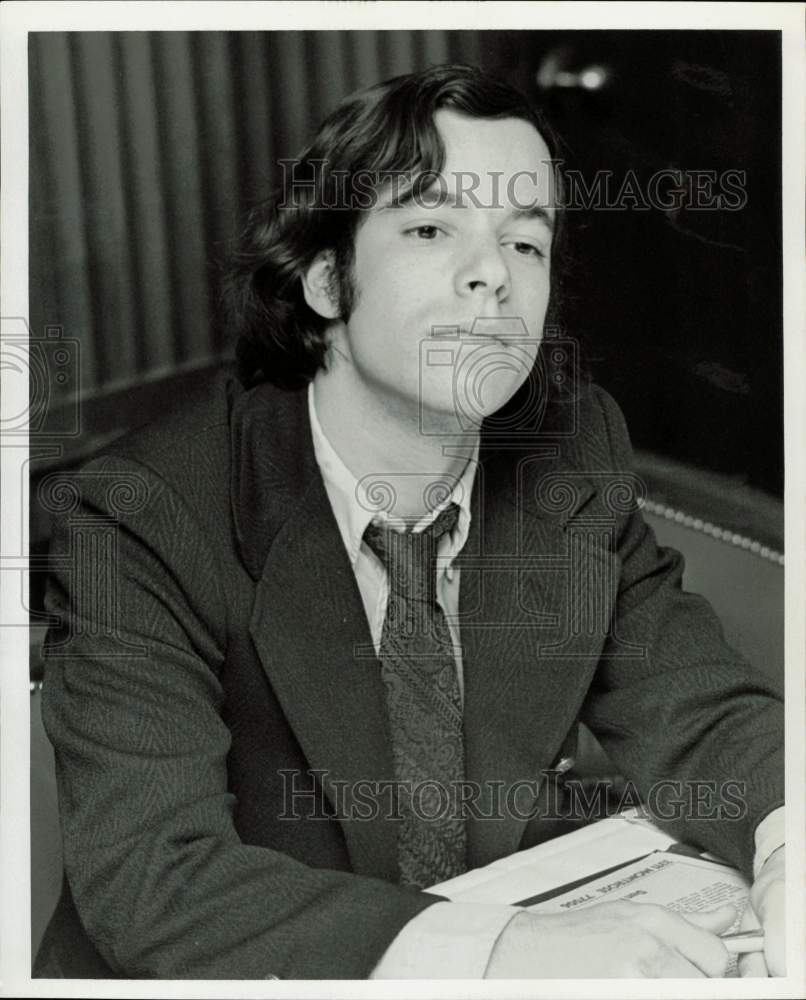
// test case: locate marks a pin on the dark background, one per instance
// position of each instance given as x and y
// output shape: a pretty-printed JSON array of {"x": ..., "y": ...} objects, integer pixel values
[{"x": 147, "y": 148}]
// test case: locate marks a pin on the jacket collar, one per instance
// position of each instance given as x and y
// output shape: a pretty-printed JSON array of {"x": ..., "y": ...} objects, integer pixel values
[{"x": 274, "y": 466}]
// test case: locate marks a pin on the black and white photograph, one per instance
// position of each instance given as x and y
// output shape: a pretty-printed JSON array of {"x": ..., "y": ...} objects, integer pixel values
[{"x": 403, "y": 503}]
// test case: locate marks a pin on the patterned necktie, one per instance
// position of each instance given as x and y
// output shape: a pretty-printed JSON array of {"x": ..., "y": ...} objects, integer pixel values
[{"x": 418, "y": 667}]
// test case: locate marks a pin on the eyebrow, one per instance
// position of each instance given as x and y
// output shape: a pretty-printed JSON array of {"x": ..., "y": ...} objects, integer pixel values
[{"x": 535, "y": 211}]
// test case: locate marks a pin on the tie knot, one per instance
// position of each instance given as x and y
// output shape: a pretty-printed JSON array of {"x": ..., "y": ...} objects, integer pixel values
[{"x": 409, "y": 557}]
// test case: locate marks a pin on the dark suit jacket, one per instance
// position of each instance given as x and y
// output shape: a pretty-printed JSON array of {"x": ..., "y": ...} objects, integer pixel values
[{"x": 213, "y": 647}]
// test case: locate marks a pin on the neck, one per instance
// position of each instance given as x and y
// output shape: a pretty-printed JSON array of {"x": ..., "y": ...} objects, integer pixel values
[{"x": 381, "y": 440}]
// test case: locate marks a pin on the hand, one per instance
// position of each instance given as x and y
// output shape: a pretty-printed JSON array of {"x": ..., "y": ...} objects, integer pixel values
[
  {"x": 624, "y": 939},
  {"x": 767, "y": 907}
]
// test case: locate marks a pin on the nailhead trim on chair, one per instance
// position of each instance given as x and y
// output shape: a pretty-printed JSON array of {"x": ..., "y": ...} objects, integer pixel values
[{"x": 721, "y": 534}]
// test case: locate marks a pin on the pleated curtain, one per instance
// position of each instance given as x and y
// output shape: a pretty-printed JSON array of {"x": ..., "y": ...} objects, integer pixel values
[{"x": 146, "y": 150}]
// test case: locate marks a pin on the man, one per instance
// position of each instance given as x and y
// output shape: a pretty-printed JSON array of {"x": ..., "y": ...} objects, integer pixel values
[{"x": 253, "y": 752}]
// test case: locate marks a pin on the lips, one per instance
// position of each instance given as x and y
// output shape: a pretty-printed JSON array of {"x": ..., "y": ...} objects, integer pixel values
[{"x": 503, "y": 329}]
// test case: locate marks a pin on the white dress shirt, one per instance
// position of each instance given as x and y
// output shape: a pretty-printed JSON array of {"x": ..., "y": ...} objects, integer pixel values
[
  {"x": 447, "y": 940},
  {"x": 354, "y": 506}
]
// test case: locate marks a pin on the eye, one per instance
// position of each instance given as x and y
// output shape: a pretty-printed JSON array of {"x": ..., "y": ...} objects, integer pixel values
[
  {"x": 424, "y": 232},
  {"x": 526, "y": 249}
]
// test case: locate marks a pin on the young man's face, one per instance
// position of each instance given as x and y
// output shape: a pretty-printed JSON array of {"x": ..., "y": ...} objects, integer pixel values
[{"x": 451, "y": 297}]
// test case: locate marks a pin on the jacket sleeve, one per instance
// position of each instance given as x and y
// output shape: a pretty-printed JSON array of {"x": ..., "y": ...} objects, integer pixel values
[
  {"x": 697, "y": 729},
  {"x": 131, "y": 701}
]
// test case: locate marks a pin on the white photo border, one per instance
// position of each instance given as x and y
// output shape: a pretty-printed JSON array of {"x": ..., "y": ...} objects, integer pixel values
[{"x": 19, "y": 18}]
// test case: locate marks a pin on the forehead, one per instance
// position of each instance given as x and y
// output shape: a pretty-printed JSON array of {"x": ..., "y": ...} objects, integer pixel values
[{"x": 506, "y": 159}]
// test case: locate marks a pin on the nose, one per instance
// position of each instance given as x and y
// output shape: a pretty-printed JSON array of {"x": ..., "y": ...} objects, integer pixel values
[{"x": 483, "y": 271}]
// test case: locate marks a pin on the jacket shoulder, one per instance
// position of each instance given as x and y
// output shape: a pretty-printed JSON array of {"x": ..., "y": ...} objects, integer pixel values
[
  {"x": 590, "y": 430},
  {"x": 166, "y": 488},
  {"x": 183, "y": 456},
  {"x": 192, "y": 427}
]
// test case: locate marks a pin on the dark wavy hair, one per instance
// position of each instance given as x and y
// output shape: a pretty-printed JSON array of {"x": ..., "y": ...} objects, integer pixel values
[{"x": 385, "y": 130}]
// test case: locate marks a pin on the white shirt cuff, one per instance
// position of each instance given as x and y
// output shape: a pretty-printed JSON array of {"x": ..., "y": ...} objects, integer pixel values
[
  {"x": 446, "y": 941},
  {"x": 770, "y": 835}
]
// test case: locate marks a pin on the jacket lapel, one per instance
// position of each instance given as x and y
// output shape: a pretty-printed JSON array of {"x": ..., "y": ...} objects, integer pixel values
[
  {"x": 531, "y": 573},
  {"x": 308, "y": 623}
]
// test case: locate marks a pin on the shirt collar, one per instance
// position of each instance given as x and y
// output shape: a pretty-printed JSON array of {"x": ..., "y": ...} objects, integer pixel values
[{"x": 352, "y": 501}]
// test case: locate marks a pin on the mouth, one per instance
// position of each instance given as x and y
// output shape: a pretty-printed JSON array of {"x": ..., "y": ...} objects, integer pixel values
[
  {"x": 504, "y": 330},
  {"x": 470, "y": 335}
]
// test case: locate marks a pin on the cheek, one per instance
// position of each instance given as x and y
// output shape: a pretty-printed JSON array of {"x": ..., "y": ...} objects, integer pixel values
[
  {"x": 385, "y": 331},
  {"x": 393, "y": 309},
  {"x": 531, "y": 302},
  {"x": 383, "y": 281}
]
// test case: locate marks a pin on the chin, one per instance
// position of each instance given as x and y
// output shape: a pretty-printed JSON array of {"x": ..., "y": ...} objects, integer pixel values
[
  {"x": 484, "y": 400},
  {"x": 486, "y": 380},
  {"x": 446, "y": 407}
]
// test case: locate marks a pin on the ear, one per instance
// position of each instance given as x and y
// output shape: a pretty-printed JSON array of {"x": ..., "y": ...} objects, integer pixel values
[{"x": 318, "y": 285}]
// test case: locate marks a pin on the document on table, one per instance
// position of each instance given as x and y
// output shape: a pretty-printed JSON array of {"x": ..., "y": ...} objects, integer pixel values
[
  {"x": 679, "y": 883},
  {"x": 555, "y": 863},
  {"x": 622, "y": 857}
]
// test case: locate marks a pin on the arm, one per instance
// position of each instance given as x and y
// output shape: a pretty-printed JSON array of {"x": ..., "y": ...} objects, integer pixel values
[
  {"x": 446, "y": 941},
  {"x": 691, "y": 709},
  {"x": 768, "y": 900},
  {"x": 162, "y": 883}
]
